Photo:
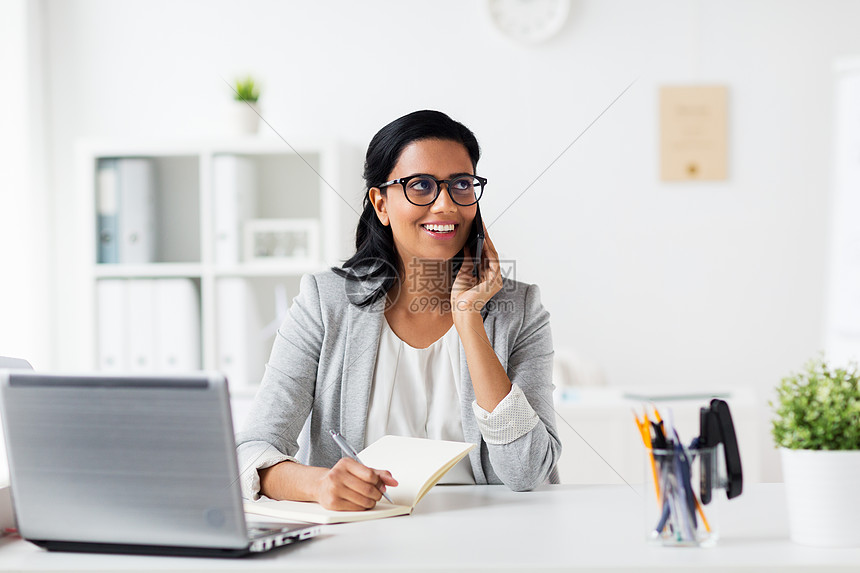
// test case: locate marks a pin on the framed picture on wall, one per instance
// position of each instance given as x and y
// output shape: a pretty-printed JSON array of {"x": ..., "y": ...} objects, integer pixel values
[{"x": 282, "y": 240}]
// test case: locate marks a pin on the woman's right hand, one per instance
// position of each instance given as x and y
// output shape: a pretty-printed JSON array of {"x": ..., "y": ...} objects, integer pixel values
[{"x": 352, "y": 486}]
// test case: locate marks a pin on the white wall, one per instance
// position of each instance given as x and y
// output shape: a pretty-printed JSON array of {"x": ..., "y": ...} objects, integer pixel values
[
  {"x": 683, "y": 284},
  {"x": 25, "y": 293}
]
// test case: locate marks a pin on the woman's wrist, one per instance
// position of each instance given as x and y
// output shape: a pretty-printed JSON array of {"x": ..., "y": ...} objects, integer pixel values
[
  {"x": 291, "y": 480},
  {"x": 468, "y": 324}
]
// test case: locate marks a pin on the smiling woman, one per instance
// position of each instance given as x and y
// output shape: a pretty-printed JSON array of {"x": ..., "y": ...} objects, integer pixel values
[{"x": 407, "y": 339}]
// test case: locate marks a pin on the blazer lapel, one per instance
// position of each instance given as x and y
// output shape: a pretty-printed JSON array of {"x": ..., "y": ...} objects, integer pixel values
[{"x": 363, "y": 328}]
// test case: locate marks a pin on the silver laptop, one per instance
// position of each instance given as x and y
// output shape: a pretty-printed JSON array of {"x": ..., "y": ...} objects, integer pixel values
[{"x": 129, "y": 464}]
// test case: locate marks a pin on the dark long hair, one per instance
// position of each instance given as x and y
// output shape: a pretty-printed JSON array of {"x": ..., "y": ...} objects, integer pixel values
[{"x": 375, "y": 259}]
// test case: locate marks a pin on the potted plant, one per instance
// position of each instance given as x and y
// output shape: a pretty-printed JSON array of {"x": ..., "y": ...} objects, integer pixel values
[
  {"x": 817, "y": 428},
  {"x": 245, "y": 112}
]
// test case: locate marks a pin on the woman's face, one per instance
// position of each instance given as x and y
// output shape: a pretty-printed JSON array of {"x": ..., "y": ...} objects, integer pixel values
[{"x": 442, "y": 159}]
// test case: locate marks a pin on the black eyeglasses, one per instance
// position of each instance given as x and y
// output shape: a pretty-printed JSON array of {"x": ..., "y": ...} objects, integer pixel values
[{"x": 422, "y": 190}]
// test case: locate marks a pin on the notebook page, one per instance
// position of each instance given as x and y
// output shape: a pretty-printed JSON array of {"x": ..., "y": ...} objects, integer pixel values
[{"x": 413, "y": 462}]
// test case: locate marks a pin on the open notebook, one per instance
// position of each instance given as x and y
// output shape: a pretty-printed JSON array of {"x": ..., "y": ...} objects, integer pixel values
[{"x": 416, "y": 463}]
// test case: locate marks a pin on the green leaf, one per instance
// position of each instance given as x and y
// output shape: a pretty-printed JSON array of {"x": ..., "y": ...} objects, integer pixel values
[
  {"x": 246, "y": 90},
  {"x": 818, "y": 408}
]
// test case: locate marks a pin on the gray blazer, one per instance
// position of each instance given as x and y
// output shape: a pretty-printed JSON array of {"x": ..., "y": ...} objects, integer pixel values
[{"x": 320, "y": 372}]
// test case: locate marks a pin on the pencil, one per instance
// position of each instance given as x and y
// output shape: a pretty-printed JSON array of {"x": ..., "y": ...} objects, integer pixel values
[
  {"x": 702, "y": 515},
  {"x": 645, "y": 432}
]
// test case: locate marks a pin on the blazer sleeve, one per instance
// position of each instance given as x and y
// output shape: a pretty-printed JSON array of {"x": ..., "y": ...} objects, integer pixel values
[
  {"x": 528, "y": 461},
  {"x": 284, "y": 400}
]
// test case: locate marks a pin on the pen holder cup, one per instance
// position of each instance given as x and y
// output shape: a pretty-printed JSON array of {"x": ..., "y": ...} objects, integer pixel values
[{"x": 676, "y": 514}]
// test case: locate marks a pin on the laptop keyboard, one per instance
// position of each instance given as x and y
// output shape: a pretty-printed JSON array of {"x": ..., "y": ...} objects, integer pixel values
[{"x": 263, "y": 538}]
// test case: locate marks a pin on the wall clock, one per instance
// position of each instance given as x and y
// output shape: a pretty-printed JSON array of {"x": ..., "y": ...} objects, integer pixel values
[{"x": 529, "y": 21}]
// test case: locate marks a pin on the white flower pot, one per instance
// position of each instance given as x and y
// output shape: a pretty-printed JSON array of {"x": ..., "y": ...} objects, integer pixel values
[
  {"x": 242, "y": 118},
  {"x": 823, "y": 496}
]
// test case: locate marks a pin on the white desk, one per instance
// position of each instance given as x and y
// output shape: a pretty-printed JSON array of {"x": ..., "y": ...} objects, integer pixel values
[{"x": 489, "y": 528}]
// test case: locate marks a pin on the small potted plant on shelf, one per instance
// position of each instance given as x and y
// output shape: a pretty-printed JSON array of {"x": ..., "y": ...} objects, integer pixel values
[
  {"x": 817, "y": 428},
  {"x": 245, "y": 112}
]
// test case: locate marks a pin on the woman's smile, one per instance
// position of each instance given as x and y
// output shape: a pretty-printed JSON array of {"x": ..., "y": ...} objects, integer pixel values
[{"x": 441, "y": 230}]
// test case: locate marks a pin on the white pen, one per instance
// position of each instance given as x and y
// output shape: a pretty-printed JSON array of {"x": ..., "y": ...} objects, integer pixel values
[{"x": 349, "y": 451}]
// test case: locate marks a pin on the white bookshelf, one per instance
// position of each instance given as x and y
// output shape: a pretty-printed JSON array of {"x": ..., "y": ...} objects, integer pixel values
[{"x": 317, "y": 180}]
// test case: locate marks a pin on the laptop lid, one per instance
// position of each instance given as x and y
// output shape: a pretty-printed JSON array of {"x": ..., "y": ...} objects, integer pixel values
[
  {"x": 7, "y": 516},
  {"x": 8, "y": 362},
  {"x": 106, "y": 459}
]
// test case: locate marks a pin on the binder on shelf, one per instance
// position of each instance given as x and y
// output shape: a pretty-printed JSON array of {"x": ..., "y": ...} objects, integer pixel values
[
  {"x": 107, "y": 204},
  {"x": 177, "y": 325},
  {"x": 241, "y": 353},
  {"x": 148, "y": 325},
  {"x": 140, "y": 329},
  {"x": 137, "y": 231},
  {"x": 234, "y": 182},
  {"x": 111, "y": 321}
]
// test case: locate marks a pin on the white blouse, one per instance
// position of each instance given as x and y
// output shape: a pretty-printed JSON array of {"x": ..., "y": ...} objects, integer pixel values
[{"x": 416, "y": 392}]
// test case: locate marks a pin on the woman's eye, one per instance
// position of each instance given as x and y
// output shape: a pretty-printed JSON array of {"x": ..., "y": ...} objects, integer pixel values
[
  {"x": 421, "y": 186},
  {"x": 462, "y": 184}
]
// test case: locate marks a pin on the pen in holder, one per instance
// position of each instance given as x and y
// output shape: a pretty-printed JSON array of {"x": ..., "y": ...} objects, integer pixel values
[
  {"x": 681, "y": 507},
  {"x": 674, "y": 513}
]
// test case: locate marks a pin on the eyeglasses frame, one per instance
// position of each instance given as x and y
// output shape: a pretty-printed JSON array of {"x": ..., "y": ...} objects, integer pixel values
[{"x": 404, "y": 180}]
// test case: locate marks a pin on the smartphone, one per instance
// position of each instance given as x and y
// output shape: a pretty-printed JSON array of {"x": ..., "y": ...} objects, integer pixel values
[{"x": 476, "y": 245}]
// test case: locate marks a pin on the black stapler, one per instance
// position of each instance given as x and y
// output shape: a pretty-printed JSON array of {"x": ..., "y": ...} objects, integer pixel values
[{"x": 716, "y": 427}]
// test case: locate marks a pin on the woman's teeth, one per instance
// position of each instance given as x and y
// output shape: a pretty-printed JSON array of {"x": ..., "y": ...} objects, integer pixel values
[{"x": 439, "y": 228}]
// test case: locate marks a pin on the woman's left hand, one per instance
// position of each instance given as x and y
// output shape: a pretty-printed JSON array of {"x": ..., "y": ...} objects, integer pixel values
[{"x": 468, "y": 295}]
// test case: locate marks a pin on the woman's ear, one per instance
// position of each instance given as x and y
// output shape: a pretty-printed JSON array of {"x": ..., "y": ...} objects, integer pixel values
[{"x": 377, "y": 199}]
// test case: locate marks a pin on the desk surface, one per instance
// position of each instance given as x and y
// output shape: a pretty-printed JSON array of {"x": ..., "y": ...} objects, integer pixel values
[{"x": 489, "y": 528}]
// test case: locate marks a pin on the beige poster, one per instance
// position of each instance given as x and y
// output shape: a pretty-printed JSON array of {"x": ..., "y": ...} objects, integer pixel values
[{"x": 693, "y": 133}]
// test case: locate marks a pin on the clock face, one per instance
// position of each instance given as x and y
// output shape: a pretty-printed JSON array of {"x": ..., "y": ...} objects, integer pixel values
[{"x": 529, "y": 20}]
